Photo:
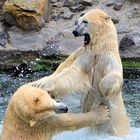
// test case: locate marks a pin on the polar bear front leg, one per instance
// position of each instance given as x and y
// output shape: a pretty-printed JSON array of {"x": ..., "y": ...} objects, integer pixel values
[
  {"x": 67, "y": 63},
  {"x": 110, "y": 85},
  {"x": 70, "y": 60}
]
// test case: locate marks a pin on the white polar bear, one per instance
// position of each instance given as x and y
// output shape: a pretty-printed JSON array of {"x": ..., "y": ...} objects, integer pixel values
[{"x": 95, "y": 69}]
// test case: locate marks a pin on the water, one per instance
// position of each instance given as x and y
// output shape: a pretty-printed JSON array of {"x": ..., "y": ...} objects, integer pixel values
[
  {"x": 131, "y": 90},
  {"x": 8, "y": 85},
  {"x": 83, "y": 134}
]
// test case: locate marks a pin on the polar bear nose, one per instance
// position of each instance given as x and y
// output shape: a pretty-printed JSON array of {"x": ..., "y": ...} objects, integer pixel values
[
  {"x": 60, "y": 108},
  {"x": 75, "y": 33},
  {"x": 63, "y": 110}
]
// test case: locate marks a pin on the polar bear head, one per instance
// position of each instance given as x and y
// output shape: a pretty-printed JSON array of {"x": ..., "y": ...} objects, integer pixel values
[
  {"x": 93, "y": 24},
  {"x": 34, "y": 105}
]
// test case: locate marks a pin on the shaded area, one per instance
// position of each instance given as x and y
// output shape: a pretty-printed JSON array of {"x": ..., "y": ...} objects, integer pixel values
[{"x": 131, "y": 67}]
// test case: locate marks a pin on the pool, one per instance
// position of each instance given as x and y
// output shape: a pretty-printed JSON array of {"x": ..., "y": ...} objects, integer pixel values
[{"x": 131, "y": 96}]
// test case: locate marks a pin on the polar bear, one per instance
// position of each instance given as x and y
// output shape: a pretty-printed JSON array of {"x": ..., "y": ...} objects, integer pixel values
[
  {"x": 95, "y": 69},
  {"x": 33, "y": 115}
]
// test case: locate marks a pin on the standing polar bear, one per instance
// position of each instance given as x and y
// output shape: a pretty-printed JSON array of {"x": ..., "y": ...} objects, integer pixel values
[{"x": 95, "y": 69}]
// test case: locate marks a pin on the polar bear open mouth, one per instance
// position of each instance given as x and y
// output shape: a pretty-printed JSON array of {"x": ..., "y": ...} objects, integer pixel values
[{"x": 86, "y": 38}]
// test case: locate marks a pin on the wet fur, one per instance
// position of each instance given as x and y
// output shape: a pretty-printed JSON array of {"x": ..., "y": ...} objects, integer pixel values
[
  {"x": 94, "y": 69},
  {"x": 31, "y": 115}
]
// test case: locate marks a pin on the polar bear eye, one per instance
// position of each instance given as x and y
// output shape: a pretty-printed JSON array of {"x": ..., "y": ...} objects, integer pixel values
[
  {"x": 82, "y": 14},
  {"x": 53, "y": 96}
]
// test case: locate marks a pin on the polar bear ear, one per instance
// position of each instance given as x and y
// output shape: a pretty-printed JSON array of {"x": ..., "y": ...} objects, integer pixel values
[
  {"x": 107, "y": 18},
  {"x": 32, "y": 122},
  {"x": 36, "y": 99}
]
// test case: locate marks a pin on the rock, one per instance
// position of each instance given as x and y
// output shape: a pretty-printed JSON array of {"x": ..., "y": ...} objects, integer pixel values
[
  {"x": 126, "y": 42},
  {"x": 68, "y": 14},
  {"x": 56, "y": 16},
  {"x": 135, "y": 13},
  {"x": 3, "y": 39},
  {"x": 11, "y": 58},
  {"x": 66, "y": 3},
  {"x": 1, "y": 27},
  {"x": 1, "y": 4},
  {"x": 23, "y": 40},
  {"x": 68, "y": 43},
  {"x": 110, "y": 3},
  {"x": 95, "y": 2},
  {"x": 123, "y": 30},
  {"x": 71, "y": 3},
  {"x": 21, "y": 69},
  {"x": 117, "y": 6},
  {"x": 135, "y": 1},
  {"x": 87, "y": 2},
  {"x": 56, "y": 4},
  {"x": 129, "y": 44},
  {"x": 10, "y": 18},
  {"x": 49, "y": 34},
  {"x": 50, "y": 51},
  {"x": 114, "y": 17},
  {"x": 53, "y": 1},
  {"x": 115, "y": 20},
  {"x": 77, "y": 8},
  {"x": 28, "y": 14},
  {"x": 1, "y": 8}
]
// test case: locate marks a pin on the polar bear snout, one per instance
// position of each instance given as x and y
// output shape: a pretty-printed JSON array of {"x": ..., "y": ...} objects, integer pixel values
[
  {"x": 75, "y": 33},
  {"x": 81, "y": 28},
  {"x": 60, "y": 108},
  {"x": 86, "y": 36}
]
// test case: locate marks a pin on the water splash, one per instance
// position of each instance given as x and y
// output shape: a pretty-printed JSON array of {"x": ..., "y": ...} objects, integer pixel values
[{"x": 83, "y": 134}]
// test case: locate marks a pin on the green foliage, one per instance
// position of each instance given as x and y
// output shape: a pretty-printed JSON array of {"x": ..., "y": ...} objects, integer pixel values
[
  {"x": 41, "y": 67},
  {"x": 48, "y": 65},
  {"x": 131, "y": 64}
]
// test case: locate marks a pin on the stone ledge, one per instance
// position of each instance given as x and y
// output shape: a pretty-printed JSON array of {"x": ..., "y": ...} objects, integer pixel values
[{"x": 28, "y": 14}]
